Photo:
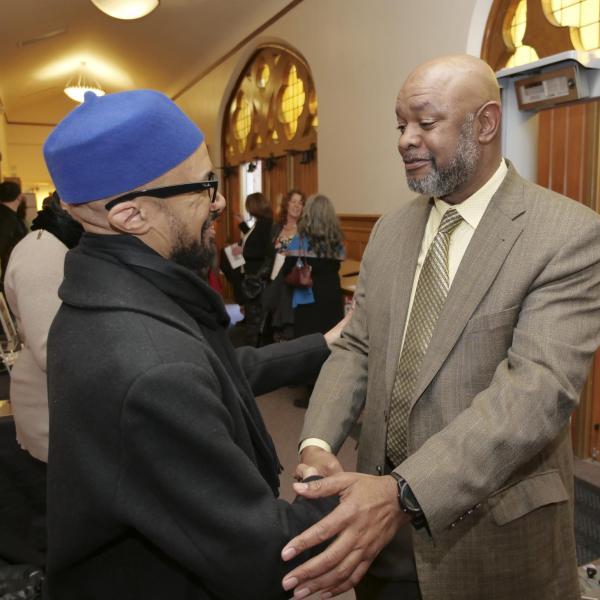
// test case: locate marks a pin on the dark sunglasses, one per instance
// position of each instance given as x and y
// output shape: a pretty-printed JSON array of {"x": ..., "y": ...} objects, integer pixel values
[{"x": 169, "y": 191}]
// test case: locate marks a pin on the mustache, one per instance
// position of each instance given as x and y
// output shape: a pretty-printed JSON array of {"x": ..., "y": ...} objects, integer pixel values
[{"x": 412, "y": 157}]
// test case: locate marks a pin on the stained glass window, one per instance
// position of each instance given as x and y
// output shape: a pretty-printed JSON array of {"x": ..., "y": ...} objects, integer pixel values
[
  {"x": 242, "y": 121},
  {"x": 272, "y": 109},
  {"x": 516, "y": 32},
  {"x": 292, "y": 102},
  {"x": 583, "y": 16},
  {"x": 263, "y": 76}
]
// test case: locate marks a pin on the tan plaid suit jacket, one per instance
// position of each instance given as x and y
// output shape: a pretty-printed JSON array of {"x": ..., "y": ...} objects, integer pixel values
[{"x": 488, "y": 433}]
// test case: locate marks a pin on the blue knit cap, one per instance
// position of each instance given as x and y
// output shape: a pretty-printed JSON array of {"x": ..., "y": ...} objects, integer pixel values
[{"x": 115, "y": 143}]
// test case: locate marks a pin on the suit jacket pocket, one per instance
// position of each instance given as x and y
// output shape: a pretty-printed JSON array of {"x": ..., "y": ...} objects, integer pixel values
[
  {"x": 491, "y": 321},
  {"x": 526, "y": 495}
]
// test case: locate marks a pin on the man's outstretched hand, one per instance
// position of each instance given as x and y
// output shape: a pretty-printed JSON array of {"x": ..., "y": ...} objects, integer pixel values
[{"x": 366, "y": 519}]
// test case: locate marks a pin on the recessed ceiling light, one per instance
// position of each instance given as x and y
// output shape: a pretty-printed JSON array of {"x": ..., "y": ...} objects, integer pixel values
[{"x": 126, "y": 9}]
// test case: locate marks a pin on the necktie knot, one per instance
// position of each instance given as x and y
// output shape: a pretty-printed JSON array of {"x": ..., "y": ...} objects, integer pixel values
[{"x": 450, "y": 221}]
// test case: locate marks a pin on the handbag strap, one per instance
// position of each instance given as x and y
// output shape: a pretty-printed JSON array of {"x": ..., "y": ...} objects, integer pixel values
[{"x": 302, "y": 250}]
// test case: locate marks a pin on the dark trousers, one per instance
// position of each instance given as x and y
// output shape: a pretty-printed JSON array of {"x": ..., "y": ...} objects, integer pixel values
[
  {"x": 373, "y": 588},
  {"x": 22, "y": 502}
]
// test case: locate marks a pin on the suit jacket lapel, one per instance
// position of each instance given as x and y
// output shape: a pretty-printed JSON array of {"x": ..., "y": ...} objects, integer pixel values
[
  {"x": 493, "y": 239},
  {"x": 403, "y": 261}
]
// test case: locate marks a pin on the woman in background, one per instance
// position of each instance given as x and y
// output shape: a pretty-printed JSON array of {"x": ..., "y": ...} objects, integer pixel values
[
  {"x": 258, "y": 253},
  {"x": 33, "y": 276},
  {"x": 320, "y": 243},
  {"x": 277, "y": 297},
  {"x": 257, "y": 233},
  {"x": 290, "y": 212}
]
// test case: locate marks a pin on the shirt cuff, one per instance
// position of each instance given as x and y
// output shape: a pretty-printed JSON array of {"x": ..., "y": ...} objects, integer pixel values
[{"x": 314, "y": 442}]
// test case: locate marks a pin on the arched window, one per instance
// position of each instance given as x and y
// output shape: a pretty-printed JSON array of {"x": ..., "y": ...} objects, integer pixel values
[
  {"x": 521, "y": 31},
  {"x": 514, "y": 32},
  {"x": 272, "y": 109},
  {"x": 270, "y": 131}
]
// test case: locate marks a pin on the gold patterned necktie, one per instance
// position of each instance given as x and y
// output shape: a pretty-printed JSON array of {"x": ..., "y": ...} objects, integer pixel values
[{"x": 430, "y": 295}]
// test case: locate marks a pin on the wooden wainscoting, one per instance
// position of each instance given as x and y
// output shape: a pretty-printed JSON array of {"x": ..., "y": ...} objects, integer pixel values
[
  {"x": 357, "y": 229},
  {"x": 569, "y": 163}
]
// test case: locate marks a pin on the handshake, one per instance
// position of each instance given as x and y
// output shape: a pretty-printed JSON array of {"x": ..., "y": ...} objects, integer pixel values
[{"x": 366, "y": 519}]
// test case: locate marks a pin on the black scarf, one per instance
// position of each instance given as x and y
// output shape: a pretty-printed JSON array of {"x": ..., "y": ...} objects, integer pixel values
[
  {"x": 60, "y": 224},
  {"x": 206, "y": 307}
]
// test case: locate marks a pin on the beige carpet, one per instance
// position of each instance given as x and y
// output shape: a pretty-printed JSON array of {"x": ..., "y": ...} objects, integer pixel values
[{"x": 284, "y": 422}]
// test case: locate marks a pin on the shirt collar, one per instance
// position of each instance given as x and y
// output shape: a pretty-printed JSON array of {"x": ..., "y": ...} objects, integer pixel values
[{"x": 472, "y": 209}]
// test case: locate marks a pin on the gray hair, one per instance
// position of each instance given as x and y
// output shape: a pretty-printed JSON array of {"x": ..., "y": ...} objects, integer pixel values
[{"x": 320, "y": 225}]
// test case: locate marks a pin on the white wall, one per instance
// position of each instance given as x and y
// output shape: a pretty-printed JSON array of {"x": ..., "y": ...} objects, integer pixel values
[
  {"x": 26, "y": 159},
  {"x": 359, "y": 52}
]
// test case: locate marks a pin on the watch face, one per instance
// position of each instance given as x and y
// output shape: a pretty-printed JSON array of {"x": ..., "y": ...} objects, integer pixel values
[{"x": 408, "y": 499}]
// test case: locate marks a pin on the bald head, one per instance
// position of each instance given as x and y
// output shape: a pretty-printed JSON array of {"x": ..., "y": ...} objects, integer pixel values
[
  {"x": 461, "y": 77},
  {"x": 448, "y": 114}
]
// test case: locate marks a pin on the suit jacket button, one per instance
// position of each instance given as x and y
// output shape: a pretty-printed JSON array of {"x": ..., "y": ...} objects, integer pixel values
[{"x": 379, "y": 469}]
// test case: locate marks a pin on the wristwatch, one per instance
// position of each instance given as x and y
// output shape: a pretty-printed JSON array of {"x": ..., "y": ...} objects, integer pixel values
[{"x": 408, "y": 503}]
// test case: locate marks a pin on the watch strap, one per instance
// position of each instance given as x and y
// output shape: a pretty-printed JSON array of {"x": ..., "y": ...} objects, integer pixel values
[{"x": 408, "y": 502}]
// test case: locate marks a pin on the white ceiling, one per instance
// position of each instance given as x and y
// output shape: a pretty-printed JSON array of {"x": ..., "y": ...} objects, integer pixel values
[{"x": 42, "y": 42}]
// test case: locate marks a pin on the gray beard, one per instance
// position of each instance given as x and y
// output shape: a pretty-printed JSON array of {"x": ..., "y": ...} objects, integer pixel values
[{"x": 443, "y": 182}]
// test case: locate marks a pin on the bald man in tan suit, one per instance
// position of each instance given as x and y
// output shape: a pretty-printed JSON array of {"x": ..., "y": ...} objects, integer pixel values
[{"x": 466, "y": 407}]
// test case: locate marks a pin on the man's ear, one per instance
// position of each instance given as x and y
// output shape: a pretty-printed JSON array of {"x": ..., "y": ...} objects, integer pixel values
[
  {"x": 128, "y": 217},
  {"x": 489, "y": 122}
]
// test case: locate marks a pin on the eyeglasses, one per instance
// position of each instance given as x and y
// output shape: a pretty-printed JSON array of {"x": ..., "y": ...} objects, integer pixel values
[{"x": 169, "y": 191}]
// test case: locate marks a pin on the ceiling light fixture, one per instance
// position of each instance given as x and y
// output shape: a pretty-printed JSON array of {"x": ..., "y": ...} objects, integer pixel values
[
  {"x": 126, "y": 9},
  {"x": 82, "y": 82}
]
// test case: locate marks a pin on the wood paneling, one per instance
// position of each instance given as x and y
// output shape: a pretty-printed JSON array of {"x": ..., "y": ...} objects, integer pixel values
[
  {"x": 305, "y": 176},
  {"x": 227, "y": 231},
  {"x": 357, "y": 229},
  {"x": 493, "y": 48},
  {"x": 232, "y": 195},
  {"x": 275, "y": 182},
  {"x": 567, "y": 151},
  {"x": 547, "y": 39},
  {"x": 568, "y": 163}
]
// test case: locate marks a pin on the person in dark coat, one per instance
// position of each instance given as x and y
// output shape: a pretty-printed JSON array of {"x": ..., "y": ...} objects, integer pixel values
[
  {"x": 258, "y": 243},
  {"x": 12, "y": 228},
  {"x": 162, "y": 478},
  {"x": 258, "y": 252},
  {"x": 248, "y": 281}
]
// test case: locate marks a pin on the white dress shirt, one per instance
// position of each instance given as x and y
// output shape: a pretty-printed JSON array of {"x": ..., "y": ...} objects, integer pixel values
[{"x": 471, "y": 210}]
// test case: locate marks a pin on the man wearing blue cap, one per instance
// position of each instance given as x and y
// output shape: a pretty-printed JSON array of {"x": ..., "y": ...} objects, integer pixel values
[{"x": 162, "y": 478}]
